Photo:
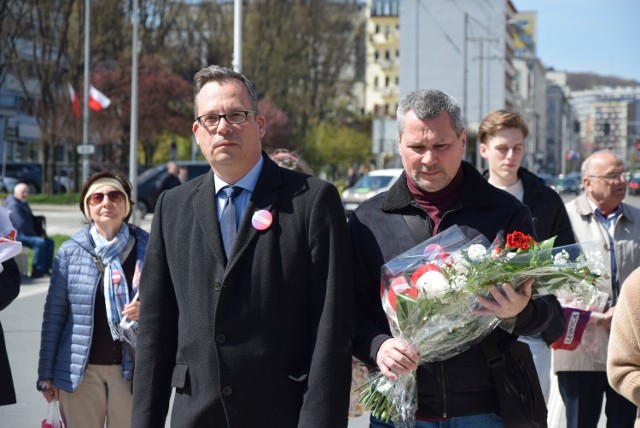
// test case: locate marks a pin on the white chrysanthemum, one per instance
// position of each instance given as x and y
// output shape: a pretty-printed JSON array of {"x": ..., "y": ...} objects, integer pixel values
[
  {"x": 476, "y": 252},
  {"x": 594, "y": 262},
  {"x": 460, "y": 263},
  {"x": 561, "y": 258},
  {"x": 459, "y": 281},
  {"x": 433, "y": 284}
]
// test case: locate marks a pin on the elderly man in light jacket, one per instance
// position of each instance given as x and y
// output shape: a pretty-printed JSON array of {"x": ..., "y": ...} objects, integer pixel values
[{"x": 599, "y": 214}]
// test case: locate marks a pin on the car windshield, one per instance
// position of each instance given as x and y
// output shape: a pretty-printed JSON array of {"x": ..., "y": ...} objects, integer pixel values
[{"x": 372, "y": 182}]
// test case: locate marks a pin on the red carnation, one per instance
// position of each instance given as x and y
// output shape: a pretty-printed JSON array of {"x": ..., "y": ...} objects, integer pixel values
[{"x": 520, "y": 241}]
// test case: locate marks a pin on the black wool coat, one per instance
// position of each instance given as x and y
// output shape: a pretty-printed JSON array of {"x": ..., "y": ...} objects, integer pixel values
[
  {"x": 9, "y": 290},
  {"x": 261, "y": 340},
  {"x": 463, "y": 384}
]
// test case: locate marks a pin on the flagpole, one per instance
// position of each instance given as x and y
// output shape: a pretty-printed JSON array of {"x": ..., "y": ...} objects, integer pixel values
[
  {"x": 237, "y": 36},
  {"x": 85, "y": 104},
  {"x": 133, "y": 137}
]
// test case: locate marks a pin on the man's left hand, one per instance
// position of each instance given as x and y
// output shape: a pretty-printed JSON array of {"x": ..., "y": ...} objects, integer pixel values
[{"x": 506, "y": 303}]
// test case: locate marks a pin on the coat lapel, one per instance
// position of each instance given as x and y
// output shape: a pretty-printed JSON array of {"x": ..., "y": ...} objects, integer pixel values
[{"x": 264, "y": 197}]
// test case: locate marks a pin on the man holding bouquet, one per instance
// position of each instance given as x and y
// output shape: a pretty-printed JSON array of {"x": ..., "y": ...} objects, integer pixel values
[{"x": 437, "y": 191}]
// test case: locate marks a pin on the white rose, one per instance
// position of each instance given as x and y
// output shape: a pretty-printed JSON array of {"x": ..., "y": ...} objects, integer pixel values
[
  {"x": 476, "y": 252},
  {"x": 433, "y": 284}
]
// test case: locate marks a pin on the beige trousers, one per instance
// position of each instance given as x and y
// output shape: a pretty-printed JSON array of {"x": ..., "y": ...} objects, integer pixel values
[{"x": 103, "y": 399}]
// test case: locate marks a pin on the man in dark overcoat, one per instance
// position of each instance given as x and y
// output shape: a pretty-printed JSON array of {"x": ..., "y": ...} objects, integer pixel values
[{"x": 259, "y": 336}]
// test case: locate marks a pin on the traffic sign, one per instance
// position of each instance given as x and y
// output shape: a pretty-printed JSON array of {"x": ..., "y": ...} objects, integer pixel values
[{"x": 86, "y": 149}]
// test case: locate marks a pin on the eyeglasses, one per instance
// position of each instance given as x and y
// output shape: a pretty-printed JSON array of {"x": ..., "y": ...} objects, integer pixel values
[
  {"x": 115, "y": 196},
  {"x": 210, "y": 120},
  {"x": 614, "y": 176}
]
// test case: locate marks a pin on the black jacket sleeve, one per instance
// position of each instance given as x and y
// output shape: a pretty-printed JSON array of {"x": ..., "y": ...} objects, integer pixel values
[{"x": 9, "y": 283}]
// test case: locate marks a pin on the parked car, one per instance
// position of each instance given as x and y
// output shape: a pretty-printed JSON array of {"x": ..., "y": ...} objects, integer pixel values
[
  {"x": 567, "y": 185},
  {"x": 549, "y": 179},
  {"x": 369, "y": 185},
  {"x": 634, "y": 185},
  {"x": 29, "y": 173},
  {"x": 149, "y": 183},
  {"x": 7, "y": 184}
]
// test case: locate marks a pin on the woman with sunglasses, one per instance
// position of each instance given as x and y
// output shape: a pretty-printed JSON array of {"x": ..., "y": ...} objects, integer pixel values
[{"x": 86, "y": 361}]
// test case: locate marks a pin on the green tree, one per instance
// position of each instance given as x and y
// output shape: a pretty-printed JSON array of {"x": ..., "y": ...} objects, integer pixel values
[
  {"x": 301, "y": 54},
  {"x": 333, "y": 148}
]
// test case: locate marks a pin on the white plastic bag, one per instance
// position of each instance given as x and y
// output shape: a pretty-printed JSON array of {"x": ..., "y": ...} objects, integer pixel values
[{"x": 54, "y": 418}]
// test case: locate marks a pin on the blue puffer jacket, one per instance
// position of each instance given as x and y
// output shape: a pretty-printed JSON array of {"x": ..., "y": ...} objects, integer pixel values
[{"x": 67, "y": 326}]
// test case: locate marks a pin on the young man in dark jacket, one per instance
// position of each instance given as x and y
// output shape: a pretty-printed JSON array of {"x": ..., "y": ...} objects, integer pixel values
[
  {"x": 501, "y": 135},
  {"x": 441, "y": 190}
]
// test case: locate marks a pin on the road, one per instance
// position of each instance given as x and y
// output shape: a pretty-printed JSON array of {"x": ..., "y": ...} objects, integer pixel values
[{"x": 22, "y": 323}]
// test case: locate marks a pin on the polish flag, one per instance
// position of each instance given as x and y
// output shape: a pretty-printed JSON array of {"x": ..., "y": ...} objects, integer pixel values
[
  {"x": 74, "y": 100},
  {"x": 97, "y": 100}
]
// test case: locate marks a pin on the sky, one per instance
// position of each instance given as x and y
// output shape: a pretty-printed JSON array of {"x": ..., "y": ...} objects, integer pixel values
[{"x": 599, "y": 36}]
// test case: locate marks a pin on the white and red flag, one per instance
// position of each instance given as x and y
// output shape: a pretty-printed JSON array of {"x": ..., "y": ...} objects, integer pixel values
[
  {"x": 74, "y": 100},
  {"x": 97, "y": 100}
]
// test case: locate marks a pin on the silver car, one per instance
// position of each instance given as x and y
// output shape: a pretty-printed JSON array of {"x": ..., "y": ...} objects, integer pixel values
[{"x": 369, "y": 185}]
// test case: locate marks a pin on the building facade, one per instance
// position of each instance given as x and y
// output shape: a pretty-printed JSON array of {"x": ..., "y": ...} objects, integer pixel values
[
  {"x": 382, "y": 76},
  {"x": 609, "y": 118}
]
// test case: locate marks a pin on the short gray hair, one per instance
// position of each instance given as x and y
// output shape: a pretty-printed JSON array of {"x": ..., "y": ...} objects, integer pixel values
[
  {"x": 427, "y": 104},
  {"x": 215, "y": 73},
  {"x": 587, "y": 165}
]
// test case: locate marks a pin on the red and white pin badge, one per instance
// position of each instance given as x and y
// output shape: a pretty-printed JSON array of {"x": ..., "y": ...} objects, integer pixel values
[
  {"x": 262, "y": 219},
  {"x": 116, "y": 277}
]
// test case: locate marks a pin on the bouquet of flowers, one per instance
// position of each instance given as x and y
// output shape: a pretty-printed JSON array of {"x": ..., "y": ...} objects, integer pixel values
[
  {"x": 9, "y": 247},
  {"x": 429, "y": 295}
]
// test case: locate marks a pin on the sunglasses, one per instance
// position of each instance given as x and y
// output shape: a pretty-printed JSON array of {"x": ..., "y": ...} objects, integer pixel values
[{"x": 115, "y": 196}]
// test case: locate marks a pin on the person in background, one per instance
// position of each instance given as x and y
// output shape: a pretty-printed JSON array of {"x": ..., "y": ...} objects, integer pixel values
[
  {"x": 95, "y": 279},
  {"x": 9, "y": 289},
  {"x": 502, "y": 137},
  {"x": 352, "y": 176},
  {"x": 437, "y": 190},
  {"x": 172, "y": 179},
  {"x": 290, "y": 160},
  {"x": 30, "y": 233},
  {"x": 183, "y": 174},
  {"x": 599, "y": 214},
  {"x": 623, "y": 360},
  {"x": 247, "y": 288}
]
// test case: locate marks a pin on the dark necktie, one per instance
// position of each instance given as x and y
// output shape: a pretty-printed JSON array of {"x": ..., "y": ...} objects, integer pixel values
[{"x": 228, "y": 224}]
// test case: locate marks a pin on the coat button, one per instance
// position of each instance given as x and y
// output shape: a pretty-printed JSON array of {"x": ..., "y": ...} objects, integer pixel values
[
  {"x": 221, "y": 338},
  {"x": 227, "y": 391},
  {"x": 217, "y": 286}
]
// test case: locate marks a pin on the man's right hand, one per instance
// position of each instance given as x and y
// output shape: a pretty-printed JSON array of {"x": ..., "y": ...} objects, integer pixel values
[{"x": 395, "y": 356}]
